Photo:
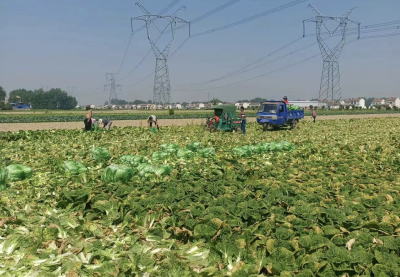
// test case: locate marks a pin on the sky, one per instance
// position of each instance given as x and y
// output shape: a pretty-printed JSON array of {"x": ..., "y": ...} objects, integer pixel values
[{"x": 73, "y": 44}]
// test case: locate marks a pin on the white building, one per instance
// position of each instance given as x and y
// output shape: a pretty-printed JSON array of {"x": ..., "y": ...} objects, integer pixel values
[
  {"x": 304, "y": 103},
  {"x": 378, "y": 102},
  {"x": 357, "y": 102},
  {"x": 244, "y": 105},
  {"x": 393, "y": 102},
  {"x": 199, "y": 106}
]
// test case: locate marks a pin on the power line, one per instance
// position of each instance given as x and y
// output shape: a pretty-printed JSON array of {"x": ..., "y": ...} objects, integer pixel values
[
  {"x": 248, "y": 65},
  {"x": 218, "y": 9},
  {"x": 262, "y": 75},
  {"x": 197, "y": 19},
  {"x": 288, "y": 5},
  {"x": 251, "y": 18},
  {"x": 242, "y": 69},
  {"x": 166, "y": 9}
]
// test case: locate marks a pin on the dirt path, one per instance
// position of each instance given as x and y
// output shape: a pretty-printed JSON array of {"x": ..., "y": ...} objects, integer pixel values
[{"x": 13, "y": 127}]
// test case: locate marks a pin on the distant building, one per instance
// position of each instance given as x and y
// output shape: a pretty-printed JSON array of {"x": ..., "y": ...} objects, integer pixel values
[
  {"x": 393, "y": 102},
  {"x": 378, "y": 102},
  {"x": 243, "y": 104},
  {"x": 357, "y": 102},
  {"x": 199, "y": 106},
  {"x": 306, "y": 104}
]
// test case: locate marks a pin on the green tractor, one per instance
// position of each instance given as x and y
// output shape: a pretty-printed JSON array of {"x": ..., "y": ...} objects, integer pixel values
[{"x": 224, "y": 119}]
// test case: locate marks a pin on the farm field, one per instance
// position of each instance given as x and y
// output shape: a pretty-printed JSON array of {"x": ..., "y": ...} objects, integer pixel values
[
  {"x": 75, "y": 116},
  {"x": 322, "y": 200},
  {"x": 14, "y": 127}
]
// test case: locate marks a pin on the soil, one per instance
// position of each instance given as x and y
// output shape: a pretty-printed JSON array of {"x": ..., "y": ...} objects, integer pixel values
[{"x": 13, "y": 127}]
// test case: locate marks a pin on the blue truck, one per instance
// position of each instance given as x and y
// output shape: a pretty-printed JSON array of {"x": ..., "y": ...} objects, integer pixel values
[
  {"x": 20, "y": 106},
  {"x": 275, "y": 114}
]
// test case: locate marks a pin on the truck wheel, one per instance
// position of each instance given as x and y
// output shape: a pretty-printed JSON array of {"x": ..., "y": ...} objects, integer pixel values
[
  {"x": 238, "y": 129},
  {"x": 265, "y": 127},
  {"x": 294, "y": 124}
]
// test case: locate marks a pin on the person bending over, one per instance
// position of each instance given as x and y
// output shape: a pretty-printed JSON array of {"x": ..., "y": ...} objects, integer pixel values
[
  {"x": 152, "y": 119},
  {"x": 106, "y": 123}
]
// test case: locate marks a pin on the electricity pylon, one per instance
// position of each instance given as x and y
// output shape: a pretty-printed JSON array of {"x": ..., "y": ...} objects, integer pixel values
[
  {"x": 330, "y": 89},
  {"x": 110, "y": 77},
  {"x": 162, "y": 84}
]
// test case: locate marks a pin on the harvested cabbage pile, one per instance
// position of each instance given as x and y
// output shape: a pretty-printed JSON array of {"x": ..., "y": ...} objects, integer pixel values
[
  {"x": 159, "y": 156},
  {"x": 293, "y": 108},
  {"x": 100, "y": 154},
  {"x": 206, "y": 152},
  {"x": 170, "y": 148},
  {"x": 185, "y": 154},
  {"x": 18, "y": 172},
  {"x": 154, "y": 172},
  {"x": 194, "y": 146},
  {"x": 74, "y": 167},
  {"x": 117, "y": 173},
  {"x": 131, "y": 160}
]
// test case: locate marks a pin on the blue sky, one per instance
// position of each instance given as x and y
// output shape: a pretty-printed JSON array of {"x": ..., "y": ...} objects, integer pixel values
[{"x": 73, "y": 44}]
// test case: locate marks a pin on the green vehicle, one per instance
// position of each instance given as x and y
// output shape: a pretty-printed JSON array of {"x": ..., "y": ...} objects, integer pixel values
[{"x": 223, "y": 119}]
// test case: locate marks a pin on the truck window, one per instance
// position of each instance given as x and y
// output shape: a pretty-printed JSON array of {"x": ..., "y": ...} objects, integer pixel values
[
  {"x": 268, "y": 108},
  {"x": 281, "y": 109}
]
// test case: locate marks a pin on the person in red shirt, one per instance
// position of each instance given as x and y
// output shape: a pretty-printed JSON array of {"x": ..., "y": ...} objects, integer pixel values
[{"x": 285, "y": 100}]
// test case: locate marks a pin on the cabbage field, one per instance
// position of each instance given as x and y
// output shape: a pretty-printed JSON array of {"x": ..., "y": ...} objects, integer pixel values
[{"x": 321, "y": 200}]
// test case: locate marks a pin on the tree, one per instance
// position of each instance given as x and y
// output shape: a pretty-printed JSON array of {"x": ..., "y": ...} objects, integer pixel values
[
  {"x": 311, "y": 107},
  {"x": 323, "y": 107},
  {"x": 3, "y": 94},
  {"x": 369, "y": 101},
  {"x": 106, "y": 103},
  {"x": 215, "y": 101},
  {"x": 53, "y": 99},
  {"x": 347, "y": 107},
  {"x": 353, "y": 107}
]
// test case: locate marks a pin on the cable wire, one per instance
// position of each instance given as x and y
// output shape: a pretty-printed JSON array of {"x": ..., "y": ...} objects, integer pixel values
[{"x": 251, "y": 18}]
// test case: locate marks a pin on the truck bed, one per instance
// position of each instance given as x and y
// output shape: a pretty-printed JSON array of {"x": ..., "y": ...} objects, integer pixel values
[{"x": 295, "y": 115}]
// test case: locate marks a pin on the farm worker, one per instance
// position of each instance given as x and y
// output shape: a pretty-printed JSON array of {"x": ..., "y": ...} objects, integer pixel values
[
  {"x": 152, "y": 119},
  {"x": 243, "y": 117},
  {"x": 106, "y": 123},
  {"x": 88, "y": 119},
  {"x": 314, "y": 114},
  {"x": 216, "y": 118},
  {"x": 285, "y": 100}
]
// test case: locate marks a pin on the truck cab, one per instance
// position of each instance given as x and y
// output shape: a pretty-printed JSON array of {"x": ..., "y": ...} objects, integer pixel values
[{"x": 274, "y": 114}]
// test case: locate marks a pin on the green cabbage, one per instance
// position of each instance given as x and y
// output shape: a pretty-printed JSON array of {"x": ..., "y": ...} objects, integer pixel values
[
  {"x": 170, "y": 148},
  {"x": 117, "y": 173},
  {"x": 74, "y": 168},
  {"x": 185, "y": 154},
  {"x": 194, "y": 146},
  {"x": 132, "y": 160},
  {"x": 18, "y": 172},
  {"x": 159, "y": 156},
  {"x": 100, "y": 154},
  {"x": 206, "y": 152}
]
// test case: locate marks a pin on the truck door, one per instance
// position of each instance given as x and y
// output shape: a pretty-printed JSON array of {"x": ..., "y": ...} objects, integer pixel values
[{"x": 281, "y": 114}]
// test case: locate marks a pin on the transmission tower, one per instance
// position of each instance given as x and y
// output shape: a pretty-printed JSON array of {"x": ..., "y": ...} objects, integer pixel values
[
  {"x": 330, "y": 90},
  {"x": 110, "y": 77},
  {"x": 162, "y": 84}
]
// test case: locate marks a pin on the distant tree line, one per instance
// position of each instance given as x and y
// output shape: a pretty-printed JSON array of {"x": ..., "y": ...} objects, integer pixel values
[{"x": 52, "y": 99}]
